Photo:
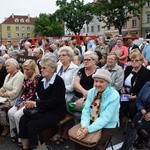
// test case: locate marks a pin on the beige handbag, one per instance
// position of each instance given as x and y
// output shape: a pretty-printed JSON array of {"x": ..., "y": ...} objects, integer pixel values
[{"x": 90, "y": 140}]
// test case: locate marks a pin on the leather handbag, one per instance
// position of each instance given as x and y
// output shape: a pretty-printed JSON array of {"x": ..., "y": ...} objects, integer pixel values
[
  {"x": 32, "y": 113},
  {"x": 90, "y": 140}
]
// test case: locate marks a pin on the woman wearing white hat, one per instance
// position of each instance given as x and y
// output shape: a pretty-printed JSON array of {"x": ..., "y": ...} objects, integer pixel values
[{"x": 101, "y": 110}]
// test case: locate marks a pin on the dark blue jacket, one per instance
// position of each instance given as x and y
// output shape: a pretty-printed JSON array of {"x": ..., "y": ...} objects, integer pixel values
[{"x": 143, "y": 96}]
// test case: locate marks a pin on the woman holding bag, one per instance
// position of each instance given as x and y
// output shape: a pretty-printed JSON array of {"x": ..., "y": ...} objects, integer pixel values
[
  {"x": 101, "y": 110},
  {"x": 48, "y": 100}
]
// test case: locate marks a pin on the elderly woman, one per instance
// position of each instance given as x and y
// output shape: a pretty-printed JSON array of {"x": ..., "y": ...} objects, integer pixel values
[
  {"x": 49, "y": 101},
  {"x": 136, "y": 76},
  {"x": 122, "y": 51},
  {"x": 11, "y": 89},
  {"x": 31, "y": 73},
  {"x": 101, "y": 110},
  {"x": 67, "y": 70},
  {"x": 84, "y": 81}
]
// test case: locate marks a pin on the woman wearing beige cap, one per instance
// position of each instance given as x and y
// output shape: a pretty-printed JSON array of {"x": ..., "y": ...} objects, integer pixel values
[{"x": 101, "y": 110}]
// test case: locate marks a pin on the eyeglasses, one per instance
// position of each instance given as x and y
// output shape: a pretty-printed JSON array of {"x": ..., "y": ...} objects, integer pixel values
[
  {"x": 111, "y": 58},
  {"x": 135, "y": 60},
  {"x": 63, "y": 55},
  {"x": 87, "y": 59}
]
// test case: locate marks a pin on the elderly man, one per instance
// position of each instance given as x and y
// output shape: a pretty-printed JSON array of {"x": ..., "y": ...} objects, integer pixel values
[
  {"x": 117, "y": 73},
  {"x": 38, "y": 53}
]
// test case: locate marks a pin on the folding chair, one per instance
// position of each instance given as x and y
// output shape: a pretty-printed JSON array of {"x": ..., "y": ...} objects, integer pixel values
[{"x": 109, "y": 143}]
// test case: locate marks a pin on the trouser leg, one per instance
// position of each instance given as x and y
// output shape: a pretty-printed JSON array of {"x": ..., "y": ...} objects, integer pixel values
[
  {"x": 12, "y": 124},
  {"x": 17, "y": 117}
]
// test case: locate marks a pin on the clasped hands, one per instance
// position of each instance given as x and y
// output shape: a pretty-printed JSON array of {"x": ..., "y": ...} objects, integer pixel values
[
  {"x": 3, "y": 93},
  {"x": 82, "y": 132},
  {"x": 130, "y": 96}
]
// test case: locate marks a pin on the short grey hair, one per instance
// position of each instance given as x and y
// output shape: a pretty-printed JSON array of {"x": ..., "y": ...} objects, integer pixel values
[
  {"x": 13, "y": 62},
  {"x": 68, "y": 50},
  {"x": 49, "y": 60},
  {"x": 92, "y": 55}
]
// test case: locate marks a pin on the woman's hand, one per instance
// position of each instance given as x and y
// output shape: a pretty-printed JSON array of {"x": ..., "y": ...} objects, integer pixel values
[
  {"x": 85, "y": 92},
  {"x": 79, "y": 103},
  {"x": 30, "y": 104},
  {"x": 4, "y": 94},
  {"x": 132, "y": 97},
  {"x": 81, "y": 133},
  {"x": 122, "y": 90}
]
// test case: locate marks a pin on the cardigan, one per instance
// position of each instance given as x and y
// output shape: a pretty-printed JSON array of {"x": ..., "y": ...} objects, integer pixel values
[
  {"x": 13, "y": 86},
  {"x": 108, "y": 112},
  {"x": 52, "y": 98},
  {"x": 142, "y": 76}
]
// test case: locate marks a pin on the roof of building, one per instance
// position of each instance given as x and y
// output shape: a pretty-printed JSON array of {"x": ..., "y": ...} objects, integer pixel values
[{"x": 19, "y": 19}]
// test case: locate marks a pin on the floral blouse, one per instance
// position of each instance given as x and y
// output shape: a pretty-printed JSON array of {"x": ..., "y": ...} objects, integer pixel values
[{"x": 29, "y": 88}]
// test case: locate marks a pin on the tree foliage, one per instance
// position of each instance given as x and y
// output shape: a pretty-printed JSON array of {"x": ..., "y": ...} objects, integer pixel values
[
  {"x": 48, "y": 25},
  {"x": 118, "y": 12},
  {"x": 75, "y": 14}
]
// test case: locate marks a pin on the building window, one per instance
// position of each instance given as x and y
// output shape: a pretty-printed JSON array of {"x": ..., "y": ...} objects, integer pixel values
[
  {"x": 8, "y": 28},
  {"x": 9, "y": 35},
  {"x": 22, "y": 20},
  {"x": 27, "y": 20},
  {"x": 28, "y": 34},
  {"x": 23, "y": 35},
  {"x": 134, "y": 23},
  {"x": 16, "y": 20},
  {"x": 148, "y": 18},
  {"x": 17, "y": 35},
  {"x": 92, "y": 28},
  {"x": 17, "y": 28},
  {"x": 87, "y": 29},
  {"x": 22, "y": 28},
  {"x": 98, "y": 28},
  {"x": 28, "y": 28},
  {"x": 125, "y": 25}
]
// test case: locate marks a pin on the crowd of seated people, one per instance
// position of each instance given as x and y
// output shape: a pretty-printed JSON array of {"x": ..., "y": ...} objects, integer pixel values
[
  {"x": 57, "y": 78},
  {"x": 31, "y": 75}
]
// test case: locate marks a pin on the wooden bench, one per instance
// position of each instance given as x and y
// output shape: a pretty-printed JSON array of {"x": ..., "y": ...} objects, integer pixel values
[{"x": 48, "y": 133}]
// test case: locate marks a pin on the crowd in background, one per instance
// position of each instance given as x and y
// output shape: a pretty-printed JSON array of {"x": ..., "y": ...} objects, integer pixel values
[{"x": 66, "y": 68}]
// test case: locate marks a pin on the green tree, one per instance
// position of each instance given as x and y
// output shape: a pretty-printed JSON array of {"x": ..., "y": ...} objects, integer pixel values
[
  {"x": 48, "y": 25},
  {"x": 75, "y": 14},
  {"x": 118, "y": 12}
]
